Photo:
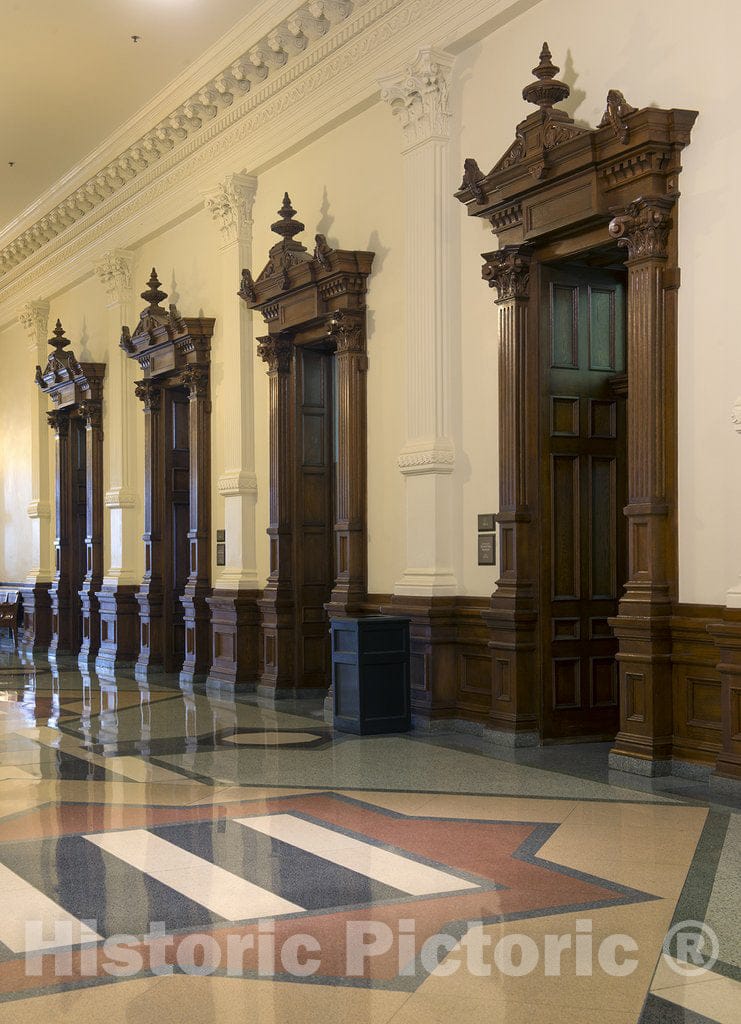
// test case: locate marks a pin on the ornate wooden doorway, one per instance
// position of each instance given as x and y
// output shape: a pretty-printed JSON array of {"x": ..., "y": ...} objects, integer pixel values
[
  {"x": 76, "y": 391},
  {"x": 174, "y": 353},
  {"x": 564, "y": 193},
  {"x": 314, "y": 307},
  {"x": 584, "y": 490}
]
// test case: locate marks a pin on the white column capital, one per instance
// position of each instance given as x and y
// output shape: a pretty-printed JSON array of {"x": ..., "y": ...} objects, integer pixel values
[
  {"x": 427, "y": 456},
  {"x": 418, "y": 96},
  {"x": 230, "y": 205},
  {"x": 114, "y": 270},
  {"x": 39, "y": 509},
  {"x": 237, "y": 482},
  {"x": 736, "y": 415},
  {"x": 34, "y": 319}
]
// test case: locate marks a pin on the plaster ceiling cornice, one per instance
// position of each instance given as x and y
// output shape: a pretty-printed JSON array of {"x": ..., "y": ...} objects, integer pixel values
[{"x": 320, "y": 85}]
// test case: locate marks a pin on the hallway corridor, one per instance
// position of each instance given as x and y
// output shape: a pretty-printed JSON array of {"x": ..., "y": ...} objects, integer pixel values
[{"x": 196, "y": 856}]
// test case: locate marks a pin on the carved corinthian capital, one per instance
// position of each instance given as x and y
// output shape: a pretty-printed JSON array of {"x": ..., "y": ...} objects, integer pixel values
[
  {"x": 34, "y": 319},
  {"x": 276, "y": 352},
  {"x": 419, "y": 96},
  {"x": 508, "y": 270},
  {"x": 644, "y": 227},
  {"x": 230, "y": 205},
  {"x": 114, "y": 270}
]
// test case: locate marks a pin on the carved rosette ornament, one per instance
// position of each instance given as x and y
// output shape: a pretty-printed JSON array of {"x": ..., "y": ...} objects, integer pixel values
[
  {"x": 276, "y": 352},
  {"x": 644, "y": 228},
  {"x": 420, "y": 98},
  {"x": 149, "y": 394},
  {"x": 508, "y": 270}
]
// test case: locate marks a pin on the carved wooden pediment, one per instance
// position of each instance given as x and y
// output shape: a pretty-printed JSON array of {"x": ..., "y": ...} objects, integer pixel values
[
  {"x": 557, "y": 174},
  {"x": 297, "y": 287},
  {"x": 66, "y": 381},
  {"x": 164, "y": 342}
]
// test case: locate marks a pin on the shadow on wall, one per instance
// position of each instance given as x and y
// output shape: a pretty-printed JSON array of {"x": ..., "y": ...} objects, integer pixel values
[
  {"x": 570, "y": 76},
  {"x": 83, "y": 341}
]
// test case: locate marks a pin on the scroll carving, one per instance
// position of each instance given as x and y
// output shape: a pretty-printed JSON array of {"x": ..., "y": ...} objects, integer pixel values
[
  {"x": 276, "y": 352},
  {"x": 472, "y": 177},
  {"x": 347, "y": 331},
  {"x": 91, "y": 411},
  {"x": 644, "y": 228},
  {"x": 508, "y": 270},
  {"x": 149, "y": 394},
  {"x": 617, "y": 110}
]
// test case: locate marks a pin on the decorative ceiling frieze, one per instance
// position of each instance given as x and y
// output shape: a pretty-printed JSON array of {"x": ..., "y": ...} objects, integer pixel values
[
  {"x": 334, "y": 73},
  {"x": 288, "y": 40}
]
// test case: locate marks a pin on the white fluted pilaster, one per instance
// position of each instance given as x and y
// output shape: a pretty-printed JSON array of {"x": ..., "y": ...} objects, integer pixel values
[
  {"x": 419, "y": 98},
  {"x": 230, "y": 205},
  {"x": 34, "y": 318},
  {"x": 115, "y": 272}
]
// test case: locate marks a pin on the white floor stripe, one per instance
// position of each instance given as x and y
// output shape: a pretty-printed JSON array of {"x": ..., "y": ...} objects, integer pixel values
[
  {"x": 228, "y": 895},
  {"x": 22, "y": 903},
  {"x": 402, "y": 873}
]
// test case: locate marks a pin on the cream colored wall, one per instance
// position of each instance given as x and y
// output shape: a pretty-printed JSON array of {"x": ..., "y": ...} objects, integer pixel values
[
  {"x": 668, "y": 54},
  {"x": 15, "y": 459},
  {"x": 348, "y": 185}
]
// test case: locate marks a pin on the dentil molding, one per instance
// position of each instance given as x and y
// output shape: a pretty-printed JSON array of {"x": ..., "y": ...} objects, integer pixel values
[
  {"x": 265, "y": 58},
  {"x": 419, "y": 97},
  {"x": 330, "y": 77},
  {"x": 230, "y": 205}
]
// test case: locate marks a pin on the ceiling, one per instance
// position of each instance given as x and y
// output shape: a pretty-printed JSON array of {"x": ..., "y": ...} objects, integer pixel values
[{"x": 70, "y": 74}]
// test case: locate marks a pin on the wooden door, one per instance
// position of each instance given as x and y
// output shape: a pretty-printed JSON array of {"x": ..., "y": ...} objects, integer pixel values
[
  {"x": 584, "y": 491},
  {"x": 78, "y": 526},
  {"x": 176, "y": 565},
  {"x": 314, "y": 513}
]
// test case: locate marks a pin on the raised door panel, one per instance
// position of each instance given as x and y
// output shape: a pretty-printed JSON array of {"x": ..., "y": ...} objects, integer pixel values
[{"x": 584, "y": 491}]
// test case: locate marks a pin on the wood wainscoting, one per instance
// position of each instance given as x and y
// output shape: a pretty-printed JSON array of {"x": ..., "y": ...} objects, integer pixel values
[{"x": 696, "y": 684}]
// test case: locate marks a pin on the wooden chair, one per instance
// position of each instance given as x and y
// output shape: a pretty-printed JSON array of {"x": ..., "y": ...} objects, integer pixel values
[{"x": 10, "y": 604}]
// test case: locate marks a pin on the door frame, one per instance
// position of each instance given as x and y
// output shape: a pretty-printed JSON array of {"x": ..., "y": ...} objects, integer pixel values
[
  {"x": 616, "y": 387},
  {"x": 76, "y": 393},
  {"x": 559, "y": 192},
  {"x": 174, "y": 352},
  {"x": 311, "y": 299}
]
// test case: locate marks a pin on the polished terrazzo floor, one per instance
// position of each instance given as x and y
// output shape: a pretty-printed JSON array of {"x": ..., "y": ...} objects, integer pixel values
[{"x": 170, "y": 856}]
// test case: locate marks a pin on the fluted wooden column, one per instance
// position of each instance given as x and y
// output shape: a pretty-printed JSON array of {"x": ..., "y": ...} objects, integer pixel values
[
  {"x": 92, "y": 412},
  {"x": 119, "y": 612},
  {"x": 149, "y": 594},
  {"x": 60, "y": 592},
  {"x": 277, "y": 603},
  {"x": 198, "y": 586},
  {"x": 643, "y": 625},
  {"x": 34, "y": 318},
  {"x": 347, "y": 329},
  {"x": 512, "y": 617}
]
